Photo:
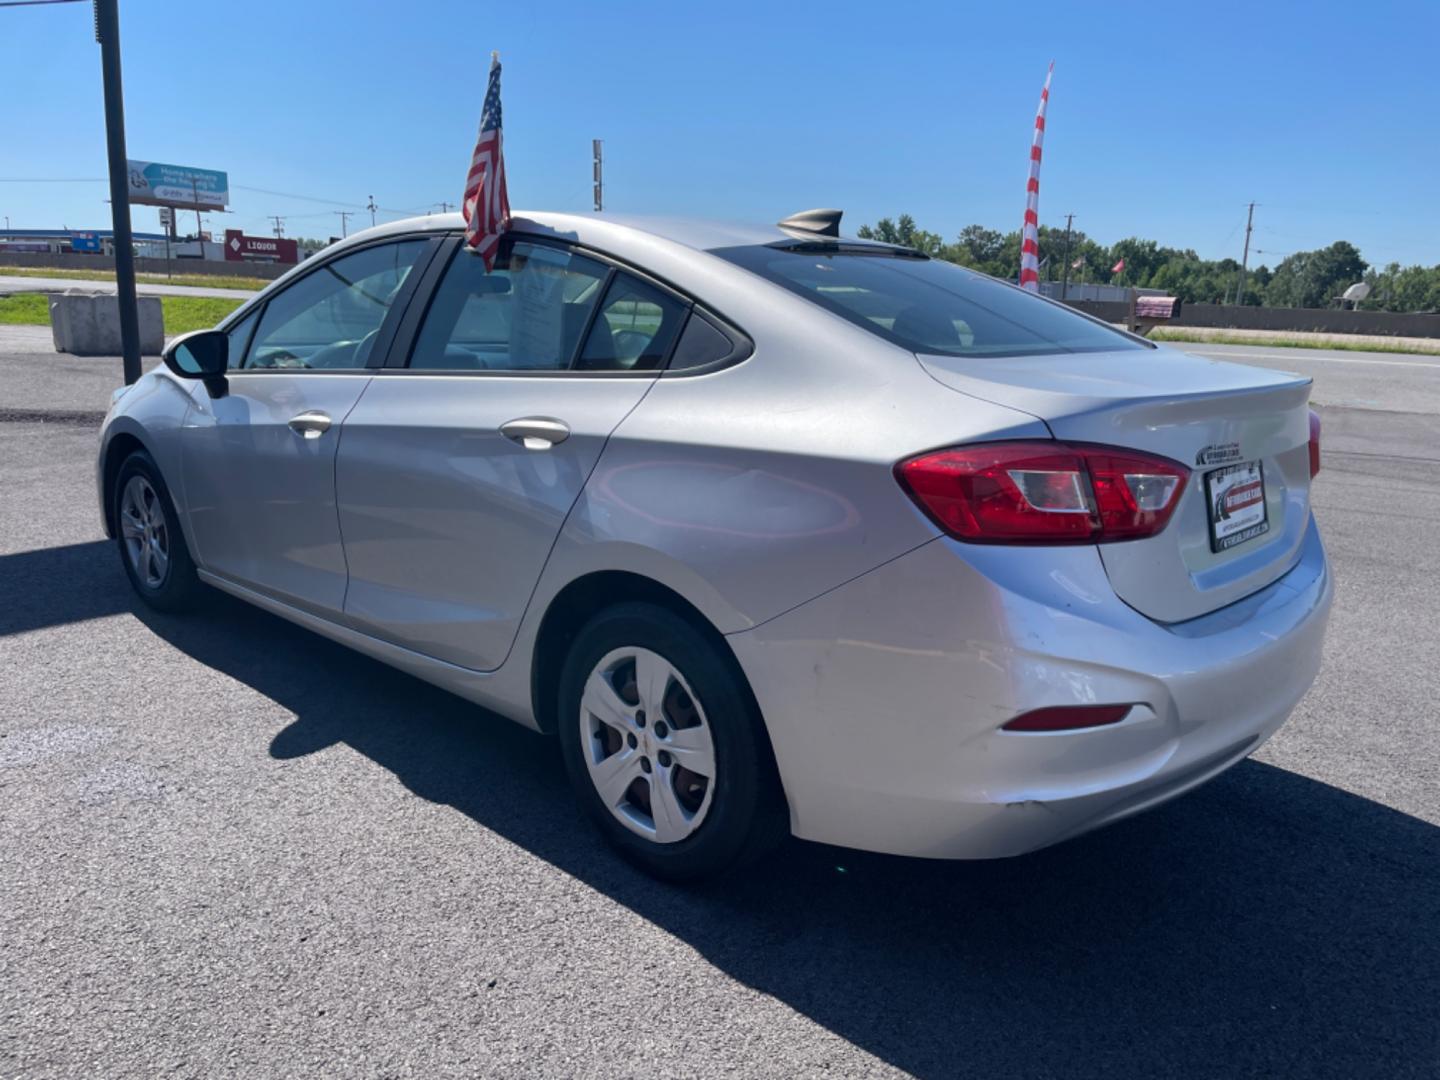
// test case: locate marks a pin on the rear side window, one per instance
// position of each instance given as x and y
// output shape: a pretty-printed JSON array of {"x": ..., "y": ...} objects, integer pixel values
[
  {"x": 701, "y": 344},
  {"x": 635, "y": 328},
  {"x": 927, "y": 305},
  {"x": 527, "y": 314}
]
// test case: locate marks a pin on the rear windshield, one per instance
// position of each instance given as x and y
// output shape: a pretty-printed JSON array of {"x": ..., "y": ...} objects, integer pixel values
[{"x": 928, "y": 305}]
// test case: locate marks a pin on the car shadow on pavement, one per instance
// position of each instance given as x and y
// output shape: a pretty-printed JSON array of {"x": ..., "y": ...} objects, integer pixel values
[
  {"x": 1266, "y": 924},
  {"x": 60, "y": 585}
]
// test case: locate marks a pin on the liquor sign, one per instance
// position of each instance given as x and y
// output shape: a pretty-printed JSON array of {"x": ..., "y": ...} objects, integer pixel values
[
  {"x": 153, "y": 184},
  {"x": 242, "y": 248}
]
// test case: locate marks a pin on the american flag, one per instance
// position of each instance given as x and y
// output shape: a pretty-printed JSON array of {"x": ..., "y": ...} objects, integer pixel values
[{"x": 486, "y": 204}]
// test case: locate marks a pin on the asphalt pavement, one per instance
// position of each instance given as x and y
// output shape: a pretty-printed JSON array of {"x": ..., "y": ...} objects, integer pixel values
[{"x": 230, "y": 846}]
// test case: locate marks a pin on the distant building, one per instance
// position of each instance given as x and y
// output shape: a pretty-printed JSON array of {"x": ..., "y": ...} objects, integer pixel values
[{"x": 68, "y": 241}]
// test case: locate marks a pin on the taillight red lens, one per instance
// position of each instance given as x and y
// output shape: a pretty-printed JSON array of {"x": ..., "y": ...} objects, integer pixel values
[
  {"x": 1314, "y": 443},
  {"x": 1068, "y": 718},
  {"x": 1044, "y": 493}
]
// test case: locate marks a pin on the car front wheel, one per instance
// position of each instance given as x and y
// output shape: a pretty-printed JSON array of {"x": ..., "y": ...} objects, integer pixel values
[
  {"x": 665, "y": 746},
  {"x": 147, "y": 530}
]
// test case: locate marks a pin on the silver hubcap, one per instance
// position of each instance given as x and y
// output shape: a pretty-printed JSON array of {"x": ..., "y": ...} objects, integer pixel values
[
  {"x": 647, "y": 745},
  {"x": 143, "y": 529}
]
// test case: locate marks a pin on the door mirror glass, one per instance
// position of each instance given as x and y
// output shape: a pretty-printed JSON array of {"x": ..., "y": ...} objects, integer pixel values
[{"x": 201, "y": 355}]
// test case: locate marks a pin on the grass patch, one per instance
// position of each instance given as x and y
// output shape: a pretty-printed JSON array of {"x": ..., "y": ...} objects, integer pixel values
[
  {"x": 1284, "y": 341},
  {"x": 182, "y": 313},
  {"x": 24, "y": 309},
  {"x": 211, "y": 281},
  {"x": 186, "y": 313}
]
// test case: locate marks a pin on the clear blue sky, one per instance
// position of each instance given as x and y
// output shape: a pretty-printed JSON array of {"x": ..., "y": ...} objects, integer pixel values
[{"x": 1165, "y": 119}]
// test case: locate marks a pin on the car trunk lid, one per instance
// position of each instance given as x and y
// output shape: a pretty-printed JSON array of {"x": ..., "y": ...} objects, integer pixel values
[{"x": 1211, "y": 416}]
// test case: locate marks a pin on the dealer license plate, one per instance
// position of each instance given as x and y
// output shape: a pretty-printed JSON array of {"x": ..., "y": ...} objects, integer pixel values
[{"x": 1236, "y": 495}]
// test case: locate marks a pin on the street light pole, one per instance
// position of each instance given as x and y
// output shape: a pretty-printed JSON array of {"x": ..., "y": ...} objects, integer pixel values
[{"x": 107, "y": 33}]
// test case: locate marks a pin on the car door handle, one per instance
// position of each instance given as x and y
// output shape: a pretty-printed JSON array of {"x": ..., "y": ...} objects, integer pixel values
[
  {"x": 535, "y": 432},
  {"x": 310, "y": 425}
]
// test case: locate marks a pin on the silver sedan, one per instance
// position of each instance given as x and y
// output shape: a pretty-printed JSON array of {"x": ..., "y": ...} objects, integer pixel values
[{"x": 779, "y": 532}]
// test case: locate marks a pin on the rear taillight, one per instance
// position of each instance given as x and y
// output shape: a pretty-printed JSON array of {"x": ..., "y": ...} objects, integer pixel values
[
  {"x": 1044, "y": 492},
  {"x": 1314, "y": 443},
  {"x": 1068, "y": 718}
]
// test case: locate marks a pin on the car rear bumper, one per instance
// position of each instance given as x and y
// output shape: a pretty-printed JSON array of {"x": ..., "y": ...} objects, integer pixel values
[{"x": 884, "y": 698}]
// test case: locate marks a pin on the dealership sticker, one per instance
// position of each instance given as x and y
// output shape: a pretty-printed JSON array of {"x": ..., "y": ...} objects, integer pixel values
[{"x": 1237, "y": 504}]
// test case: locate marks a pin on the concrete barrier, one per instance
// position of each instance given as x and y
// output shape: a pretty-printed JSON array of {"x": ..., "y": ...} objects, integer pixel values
[
  {"x": 1310, "y": 320},
  {"x": 88, "y": 324}
]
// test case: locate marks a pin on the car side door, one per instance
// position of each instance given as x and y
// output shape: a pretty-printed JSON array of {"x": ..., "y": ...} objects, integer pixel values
[
  {"x": 457, "y": 470},
  {"x": 258, "y": 462}
]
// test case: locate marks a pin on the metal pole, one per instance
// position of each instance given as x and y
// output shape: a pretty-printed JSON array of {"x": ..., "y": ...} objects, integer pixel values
[
  {"x": 1244, "y": 261},
  {"x": 107, "y": 33},
  {"x": 595, "y": 147},
  {"x": 195, "y": 197},
  {"x": 1065, "y": 272}
]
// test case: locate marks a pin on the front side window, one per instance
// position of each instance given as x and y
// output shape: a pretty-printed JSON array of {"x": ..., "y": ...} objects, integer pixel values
[
  {"x": 239, "y": 337},
  {"x": 527, "y": 314},
  {"x": 329, "y": 318},
  {"x": 928, "y": 305}
]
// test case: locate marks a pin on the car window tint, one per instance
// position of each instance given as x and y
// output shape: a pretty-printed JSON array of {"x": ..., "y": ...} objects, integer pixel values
[
  {"x": 635, "y": 328},
  {"x": 239, "y": 338},
  {"x": 526, "y": 314},
  {"x": 701, "y": 343},
  {"x": 929, "y": 305},
  {"x": 328, "y": 319}
]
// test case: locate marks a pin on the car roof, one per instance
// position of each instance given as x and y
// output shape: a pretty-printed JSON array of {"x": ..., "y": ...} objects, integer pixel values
[{"x": 602, "y": 230}]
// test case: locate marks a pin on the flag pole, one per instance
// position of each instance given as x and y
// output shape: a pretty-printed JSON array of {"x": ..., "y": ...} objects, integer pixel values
[{"x": 1030, "y": 231}]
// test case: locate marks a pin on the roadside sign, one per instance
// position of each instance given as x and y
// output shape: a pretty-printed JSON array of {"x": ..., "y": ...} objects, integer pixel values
[
  {"x": 242, "y": 248},
  {"x": 167, "y": 218},
  {"x": 153, "y": 184},
  {"x": 87, "y": 242}
]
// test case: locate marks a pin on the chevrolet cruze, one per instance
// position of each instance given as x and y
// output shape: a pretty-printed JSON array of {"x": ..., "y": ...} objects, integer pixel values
[{"x": 779, "y": 532}]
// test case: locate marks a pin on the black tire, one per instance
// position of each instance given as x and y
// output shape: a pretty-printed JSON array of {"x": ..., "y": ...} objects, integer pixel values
[
  {"x": 746, "y": 815},
  {"x": 179, "y": 588}
]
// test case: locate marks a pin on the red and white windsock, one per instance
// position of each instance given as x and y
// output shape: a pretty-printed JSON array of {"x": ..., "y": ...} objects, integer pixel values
[{"x": 1030, "y": 234}]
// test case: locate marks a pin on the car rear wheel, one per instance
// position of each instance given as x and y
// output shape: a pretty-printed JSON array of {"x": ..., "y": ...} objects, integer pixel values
[
  {"x": 665, "y": 746},
  {"x": 147, "y": 531}
]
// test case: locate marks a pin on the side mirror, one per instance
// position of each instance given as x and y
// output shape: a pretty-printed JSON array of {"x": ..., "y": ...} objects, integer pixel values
[{"x": 204, "y": 355}]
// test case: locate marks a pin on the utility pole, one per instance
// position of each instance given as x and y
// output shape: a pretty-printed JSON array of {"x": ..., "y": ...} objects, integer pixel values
[
  {"x": 279, "y": 226},
  {"x": 444, "y": 206},
  {"x": 372, "y": 208},
  {"x": 1244, "y": 261},
  {"x": 107, "y": 34},
  {"x": 595, "y": 147},
  {"x": 344, "y": 218},
  {"x": 1065, "y": 271}
]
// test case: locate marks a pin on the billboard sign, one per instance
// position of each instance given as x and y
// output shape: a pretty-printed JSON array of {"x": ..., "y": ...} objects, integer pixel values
[
  {"x": 242, "y": 248},
  {"x": 153, "y": 184},
  {"x": 85, "y": 241}
]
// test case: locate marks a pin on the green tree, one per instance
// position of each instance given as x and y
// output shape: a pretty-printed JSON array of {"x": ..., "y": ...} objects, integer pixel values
[
  {"x": 1312, "y": 279},
  {"x": 1305, "y": 279}
]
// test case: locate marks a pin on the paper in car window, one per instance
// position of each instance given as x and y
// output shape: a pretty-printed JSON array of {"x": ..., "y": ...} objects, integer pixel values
[{"x": 537, "y": 328}]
